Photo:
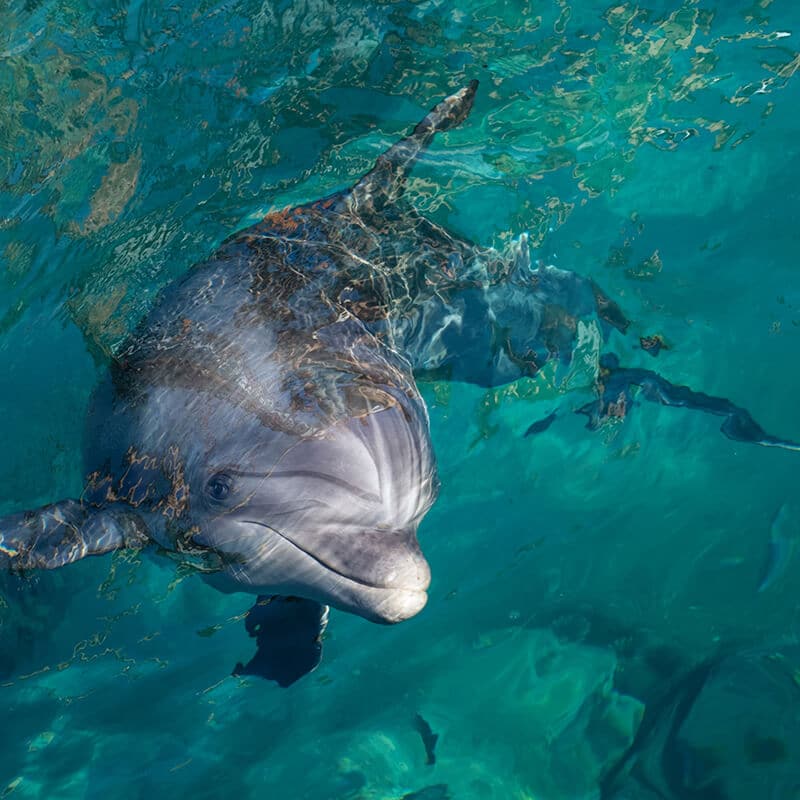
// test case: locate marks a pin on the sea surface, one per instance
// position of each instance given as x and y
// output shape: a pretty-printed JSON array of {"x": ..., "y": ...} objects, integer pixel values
[{"x": 613, "y": 614}]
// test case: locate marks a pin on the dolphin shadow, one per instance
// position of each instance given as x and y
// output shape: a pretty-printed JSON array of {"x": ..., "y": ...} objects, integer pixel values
[{"x": 288, "y": 633}]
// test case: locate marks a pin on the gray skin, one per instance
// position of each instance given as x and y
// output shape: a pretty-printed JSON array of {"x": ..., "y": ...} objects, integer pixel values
[{"x": 264, "y": 418}]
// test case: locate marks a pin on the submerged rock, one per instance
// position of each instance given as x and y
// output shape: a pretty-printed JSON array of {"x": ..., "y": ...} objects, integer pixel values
[
  {"x": 730, "y": 729},
  {"x": 518, "y": 713},
  {"x": 546, "y": 706}
]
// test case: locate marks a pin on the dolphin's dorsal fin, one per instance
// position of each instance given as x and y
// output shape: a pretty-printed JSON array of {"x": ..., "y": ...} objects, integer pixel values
[{"x": 385, "y": 182}]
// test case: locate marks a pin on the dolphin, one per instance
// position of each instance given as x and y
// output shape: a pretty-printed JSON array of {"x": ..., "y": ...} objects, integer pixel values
[{"x": 263, "y": 420}]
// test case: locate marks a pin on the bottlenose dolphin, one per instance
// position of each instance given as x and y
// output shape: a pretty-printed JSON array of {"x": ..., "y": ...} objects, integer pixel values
[{"x": 263, "y": 419}]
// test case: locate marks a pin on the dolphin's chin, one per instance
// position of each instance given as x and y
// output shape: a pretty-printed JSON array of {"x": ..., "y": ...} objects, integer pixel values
[
  {"x": 385, "y": 606},
  {"x": 373, "y": 603},
  {"x": 390, "y": 606}
]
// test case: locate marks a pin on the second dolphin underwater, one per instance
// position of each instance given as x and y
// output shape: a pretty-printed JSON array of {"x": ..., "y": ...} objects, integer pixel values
[{"x": 264, "y": 417}]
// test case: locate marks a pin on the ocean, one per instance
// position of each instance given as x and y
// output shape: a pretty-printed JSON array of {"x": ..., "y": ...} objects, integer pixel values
[{"x": 613, "y": 613}]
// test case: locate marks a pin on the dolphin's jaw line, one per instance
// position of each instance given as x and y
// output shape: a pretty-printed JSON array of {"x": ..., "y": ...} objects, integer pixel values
[{"x": 414, "y": 598}]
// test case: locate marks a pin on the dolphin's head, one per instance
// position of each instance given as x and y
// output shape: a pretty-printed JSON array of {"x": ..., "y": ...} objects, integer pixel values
[
  {"x": 330, "y": 515},
  {"x": 332, "y": 518},
  {"x": 301, "y": 457}
]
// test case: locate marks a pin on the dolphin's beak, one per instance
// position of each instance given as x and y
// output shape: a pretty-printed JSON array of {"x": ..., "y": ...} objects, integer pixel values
[{"x": 380, "y": 575}]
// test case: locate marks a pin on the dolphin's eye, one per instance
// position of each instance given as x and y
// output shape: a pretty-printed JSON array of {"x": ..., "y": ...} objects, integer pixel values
[{"x": 219, "y": 487}]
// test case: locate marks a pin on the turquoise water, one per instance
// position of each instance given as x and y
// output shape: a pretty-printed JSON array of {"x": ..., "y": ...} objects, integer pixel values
[{"x": 578, "y": 576}]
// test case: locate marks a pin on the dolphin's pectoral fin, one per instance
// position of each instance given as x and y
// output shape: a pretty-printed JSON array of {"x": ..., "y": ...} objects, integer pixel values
[
  {"x": 385, "y": 182},
  {"x": 615, "y": 400},
  {"x": 288, "y": 633},
  {"x": 63, "y": 532}
]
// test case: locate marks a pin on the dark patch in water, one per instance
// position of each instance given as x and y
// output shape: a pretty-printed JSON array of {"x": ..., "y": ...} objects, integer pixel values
[
  {"x": 664, "y": 660},
  {"x": 764, "y": 749},
  {"x": 541, "y": 425},
  {"x": 438, "y": 791},
  {"x": 429, "y": 738},
  {"x": 653, "y": 345}
]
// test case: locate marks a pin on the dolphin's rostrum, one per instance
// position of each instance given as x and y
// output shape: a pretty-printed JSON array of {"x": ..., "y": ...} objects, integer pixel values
[{"x": 264, "y": 417}]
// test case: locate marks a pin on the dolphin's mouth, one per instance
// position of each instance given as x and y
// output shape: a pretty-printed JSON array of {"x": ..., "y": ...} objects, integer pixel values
[{"x": 385, "y": 601}]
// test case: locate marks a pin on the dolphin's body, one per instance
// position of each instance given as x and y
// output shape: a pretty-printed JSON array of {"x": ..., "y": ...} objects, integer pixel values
[{"x": 264, "y": 417}]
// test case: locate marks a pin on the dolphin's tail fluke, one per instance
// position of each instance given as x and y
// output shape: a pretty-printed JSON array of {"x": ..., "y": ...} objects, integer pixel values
[
  {"x": 614, "y": 400},
  {"x": 741, "y": 427},
  {"x": 385, "y": 182},
  {"x": 63, "y": 532}
]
